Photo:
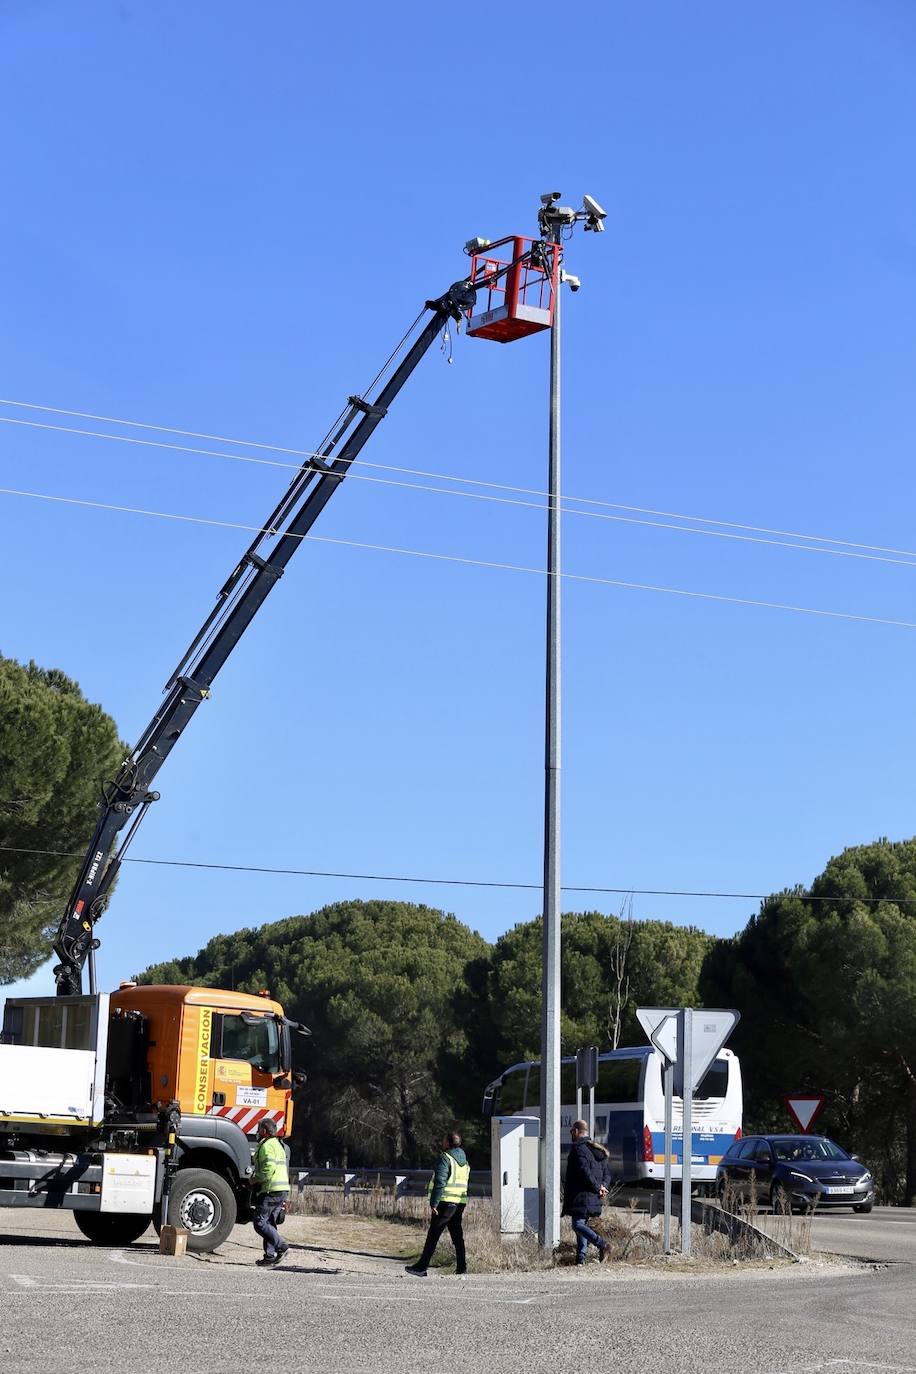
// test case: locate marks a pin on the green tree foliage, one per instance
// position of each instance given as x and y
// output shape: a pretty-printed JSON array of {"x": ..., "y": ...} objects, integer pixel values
[
  {"x": 413, "y": 1014},
  {"x": 55, "y": 750},
  {"x": 376, "y": 982},
  {"x": 609, "y": 966},
  {"x": 825, "y": 980}
]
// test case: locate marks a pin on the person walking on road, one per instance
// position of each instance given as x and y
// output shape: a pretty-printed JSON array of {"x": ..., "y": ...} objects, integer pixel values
[
  {"x": 271, "y": 1188},
  {"x": 447, "y": 1199},
  {"x": 585, "y": 1190}
]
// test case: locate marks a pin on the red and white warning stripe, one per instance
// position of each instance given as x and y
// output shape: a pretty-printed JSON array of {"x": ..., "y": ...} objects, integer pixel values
[{"x": 249, "y": 1118}]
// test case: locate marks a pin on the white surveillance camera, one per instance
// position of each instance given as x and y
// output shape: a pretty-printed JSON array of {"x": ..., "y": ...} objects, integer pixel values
[
  {"x": 574, "y": 283},
  {"x": 550, "y": 197},
  {"x": 476, "y": 245},
  {"x": 594, "y": 214}
]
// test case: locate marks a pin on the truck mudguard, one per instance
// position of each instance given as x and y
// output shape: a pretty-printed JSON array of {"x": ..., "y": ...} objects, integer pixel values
[{"x": 216, "y": 1133}]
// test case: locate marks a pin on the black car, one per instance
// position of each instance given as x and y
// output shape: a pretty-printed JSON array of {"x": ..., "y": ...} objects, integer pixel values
[{"x": 787, "y": 1171}]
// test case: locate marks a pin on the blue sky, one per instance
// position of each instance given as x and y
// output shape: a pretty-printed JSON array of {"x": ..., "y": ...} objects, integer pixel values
[{"x": 222, "y": 217}]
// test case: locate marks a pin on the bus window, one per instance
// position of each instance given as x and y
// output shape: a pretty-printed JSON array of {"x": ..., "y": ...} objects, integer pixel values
[
  {"x": 618, "y": 1080},
  {"x": 714, "y": 1081},
  {"x": 512, "y": 1093}
]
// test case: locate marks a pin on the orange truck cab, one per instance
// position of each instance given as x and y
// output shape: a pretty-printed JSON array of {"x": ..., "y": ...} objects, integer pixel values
[
  {"x": 216, "y": 1053},
  {"x": 141, "y": 1106}
]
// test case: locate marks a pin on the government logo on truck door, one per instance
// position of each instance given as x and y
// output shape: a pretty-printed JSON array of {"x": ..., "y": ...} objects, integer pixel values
[{"x": 202, "y": 1073}]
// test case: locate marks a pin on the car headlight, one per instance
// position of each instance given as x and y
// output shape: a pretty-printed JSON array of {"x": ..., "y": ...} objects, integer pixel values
[
  {"x": 861, "y": 1182},
  {"x": 805, "y": 1177}
]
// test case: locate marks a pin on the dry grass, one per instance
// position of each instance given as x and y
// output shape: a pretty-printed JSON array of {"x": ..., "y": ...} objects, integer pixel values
[
  {"x": 360, "y": 1202},
  {"x": 788, "y": 1228},
  {"x": 631, "y": 1235}
]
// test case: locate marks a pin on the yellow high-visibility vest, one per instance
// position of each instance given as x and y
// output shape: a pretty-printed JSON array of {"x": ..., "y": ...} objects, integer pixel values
[
  {"x": 270, "y": 1168},
  {"x": 456, "y": 1189}
]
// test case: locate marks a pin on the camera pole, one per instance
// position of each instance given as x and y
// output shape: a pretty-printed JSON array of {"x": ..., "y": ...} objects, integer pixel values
[
  {"x": 549, "y": 1192},
  {"x": 553, "y": 219}
]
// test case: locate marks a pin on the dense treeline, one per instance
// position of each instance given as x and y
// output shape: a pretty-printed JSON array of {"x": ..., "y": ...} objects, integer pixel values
[
  {"x": 825, "y": 980},
  {"x": 413, "y": 1013}
]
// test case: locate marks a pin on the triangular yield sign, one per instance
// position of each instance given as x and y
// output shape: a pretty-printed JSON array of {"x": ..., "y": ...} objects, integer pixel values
[{"x": 804, "y": 1108}]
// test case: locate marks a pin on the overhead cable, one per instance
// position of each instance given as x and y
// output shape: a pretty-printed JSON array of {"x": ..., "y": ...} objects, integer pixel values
[
  {"x": 459, "y": 882},
  {"x": 907, "y": 562},
  {"x": 748, "y": 529},
  {"x": 470, "y": 562}
]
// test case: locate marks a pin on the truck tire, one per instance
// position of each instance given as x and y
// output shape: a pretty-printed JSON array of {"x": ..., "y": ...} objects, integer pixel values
[
  {"x": 111, "y": 1228},
  {"x": 204, "y": 1204}
]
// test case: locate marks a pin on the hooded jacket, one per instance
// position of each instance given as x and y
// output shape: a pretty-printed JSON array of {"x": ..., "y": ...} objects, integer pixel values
[
  {"x": 586, "y": 1172},
  {"x": 440, "y": 1177}
]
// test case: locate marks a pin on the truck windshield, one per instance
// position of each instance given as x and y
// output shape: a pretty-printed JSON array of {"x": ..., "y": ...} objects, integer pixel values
[{"x": 257, "y": 1043}]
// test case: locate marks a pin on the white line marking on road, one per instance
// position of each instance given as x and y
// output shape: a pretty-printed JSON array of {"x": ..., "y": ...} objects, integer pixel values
[
  {"x": 846, "y": 1364},
  {"x": 381, "y": 1294},
  {"x": 75, "y": 1286},
  {"x": 119, "y": 1257}
]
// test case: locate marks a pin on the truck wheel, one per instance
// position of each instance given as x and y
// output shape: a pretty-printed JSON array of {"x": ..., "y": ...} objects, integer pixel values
[
  {"x": 204, "y": 1204},
  {"x": 111, "y": 1228}
]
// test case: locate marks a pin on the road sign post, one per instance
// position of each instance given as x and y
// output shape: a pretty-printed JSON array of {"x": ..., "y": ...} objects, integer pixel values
[
  {"x": 668, "y": 1071},
  {"x": 686, "y": 1068},
  {"x": 661, "y": 1027},
  {"x": 688, "y": 1041}
]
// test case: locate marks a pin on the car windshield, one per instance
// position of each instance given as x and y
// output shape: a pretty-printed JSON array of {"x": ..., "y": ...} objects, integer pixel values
[{"x": 792, "y": 1147}]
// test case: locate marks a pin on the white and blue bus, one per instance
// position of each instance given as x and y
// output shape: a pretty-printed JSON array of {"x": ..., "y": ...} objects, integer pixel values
[{"x": 630, "y": 1111}]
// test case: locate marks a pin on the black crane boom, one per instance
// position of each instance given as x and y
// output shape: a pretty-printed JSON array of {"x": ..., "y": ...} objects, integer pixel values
[{"x": 127, "y": 797}]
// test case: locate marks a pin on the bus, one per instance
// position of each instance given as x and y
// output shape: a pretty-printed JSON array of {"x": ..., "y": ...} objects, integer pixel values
[{"x": 630, "y": 1111}]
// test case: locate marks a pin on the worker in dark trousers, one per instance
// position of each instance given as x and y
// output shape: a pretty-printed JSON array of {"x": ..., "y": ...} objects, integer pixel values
[
  {"x": 271, "y": 1189},
  {"x": 447, "y": 1198},
  {"x": 586, "y": 1189}
]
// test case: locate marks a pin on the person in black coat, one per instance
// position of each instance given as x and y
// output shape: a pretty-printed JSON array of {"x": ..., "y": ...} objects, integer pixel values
[{"x": 586, "y": 1189}]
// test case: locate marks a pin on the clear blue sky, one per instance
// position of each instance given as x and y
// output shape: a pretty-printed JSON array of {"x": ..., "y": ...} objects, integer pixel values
[{"x": 221, "y": 217}]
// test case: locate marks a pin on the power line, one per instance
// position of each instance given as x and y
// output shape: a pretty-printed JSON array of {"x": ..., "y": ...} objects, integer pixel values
[
  {"x": 456, "y": 882},
  {"x": 470, "y": 562},
  {"x": 749, "y": 535},
  {"x": 789, "y": 543}
]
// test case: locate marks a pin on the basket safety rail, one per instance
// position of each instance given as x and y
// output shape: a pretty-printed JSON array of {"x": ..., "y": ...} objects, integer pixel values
[{"x": 516, "y": 288}]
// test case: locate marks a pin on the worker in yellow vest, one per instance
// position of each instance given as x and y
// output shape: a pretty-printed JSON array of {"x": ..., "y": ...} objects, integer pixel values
[
  {"x": 271, "y": 1190},
  {"x": 448, "y": 1195}
]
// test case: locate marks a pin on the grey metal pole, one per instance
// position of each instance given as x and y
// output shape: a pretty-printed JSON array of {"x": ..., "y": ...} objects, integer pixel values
[
  {"x": 668, "y": 1072},
  {"x": 686, "y": 1128},
  {"x": 549, "y": 1171}
]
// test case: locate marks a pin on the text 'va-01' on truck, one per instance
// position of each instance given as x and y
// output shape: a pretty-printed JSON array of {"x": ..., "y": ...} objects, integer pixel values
[{"x": 142, "y": 1105}]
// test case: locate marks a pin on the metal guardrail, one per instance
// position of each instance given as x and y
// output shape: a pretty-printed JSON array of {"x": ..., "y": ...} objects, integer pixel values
[{"x": 400, "y": 1182}]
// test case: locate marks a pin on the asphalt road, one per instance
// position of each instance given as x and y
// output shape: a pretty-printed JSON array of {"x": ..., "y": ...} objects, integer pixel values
[
  {"x": 67, "y": 1305},
  {"x": 887, "y": 1233}
]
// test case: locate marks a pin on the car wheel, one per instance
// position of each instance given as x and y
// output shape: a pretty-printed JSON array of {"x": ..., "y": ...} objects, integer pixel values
[
  {"x": 203, "y": 1204},
  {"x": 863, "y": 1207},
  {"x": 106, "y": 1228},
  {"x": 780, "y": 1201}
]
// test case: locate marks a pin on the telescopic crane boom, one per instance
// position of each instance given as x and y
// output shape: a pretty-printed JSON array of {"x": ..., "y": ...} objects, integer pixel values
[{"x": 127, "y": 797}]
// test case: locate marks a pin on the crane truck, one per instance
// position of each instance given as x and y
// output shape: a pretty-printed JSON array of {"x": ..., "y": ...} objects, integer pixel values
[{"x": 141, "y": 1105}]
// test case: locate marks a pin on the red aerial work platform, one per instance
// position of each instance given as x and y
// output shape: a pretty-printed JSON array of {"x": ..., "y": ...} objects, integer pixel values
[{"x": 516, "y": 288}]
